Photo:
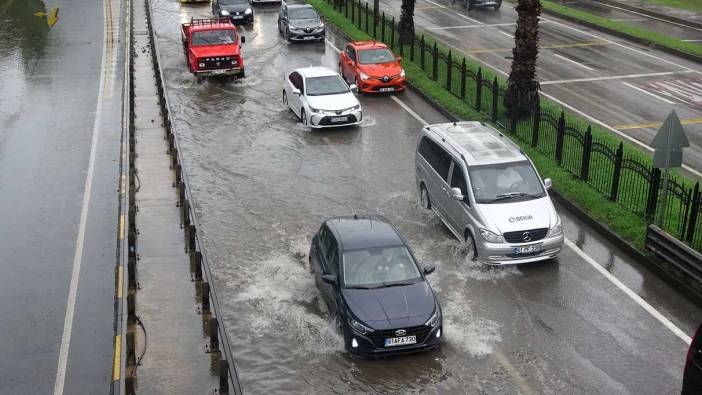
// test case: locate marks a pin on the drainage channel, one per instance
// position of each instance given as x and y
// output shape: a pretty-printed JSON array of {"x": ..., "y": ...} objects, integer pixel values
[{"x": 175, "y": 342}]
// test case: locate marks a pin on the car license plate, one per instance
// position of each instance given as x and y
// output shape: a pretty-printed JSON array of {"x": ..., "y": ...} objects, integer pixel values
[
  {"x": 222, "y": 71},
  {"x": 527, "y": 249},
  {"x": 390, "y": 89},
  {"x": 237, "y": 17},
  {"x": 308, "y": 38},
  {"x": 400, "y": 341},
  {"x": 340, "y": 119}
]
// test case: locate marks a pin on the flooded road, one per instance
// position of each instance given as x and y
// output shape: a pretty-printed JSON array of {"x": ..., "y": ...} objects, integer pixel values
[{"x": 262, "y": 185}]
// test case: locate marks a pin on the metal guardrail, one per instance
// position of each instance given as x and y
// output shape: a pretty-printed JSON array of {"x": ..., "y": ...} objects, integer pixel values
[
  {"x": 199, "y": 265},
  {"x": 674, "y": 252}
]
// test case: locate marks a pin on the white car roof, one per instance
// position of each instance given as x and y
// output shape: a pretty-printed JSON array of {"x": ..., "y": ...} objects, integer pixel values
[
  {"x": 479, "y": 143},
  {"x": 316, "y": 71}
]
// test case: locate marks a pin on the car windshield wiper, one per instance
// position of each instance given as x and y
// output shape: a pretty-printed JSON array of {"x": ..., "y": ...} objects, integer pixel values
[
  {"x": 396, "y": 284},
  {"x": 359, "y": 287},
  {"x": 510, "y": 195}
]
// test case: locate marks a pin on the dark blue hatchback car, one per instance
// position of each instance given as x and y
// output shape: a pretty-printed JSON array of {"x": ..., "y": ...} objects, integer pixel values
[{"x": 370, "y": 279}]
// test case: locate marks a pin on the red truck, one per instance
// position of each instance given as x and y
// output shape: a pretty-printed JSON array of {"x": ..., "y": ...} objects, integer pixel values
[{"x": 212, "y": 47}]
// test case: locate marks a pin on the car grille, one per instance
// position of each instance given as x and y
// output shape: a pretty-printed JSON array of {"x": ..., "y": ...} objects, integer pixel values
[
  {"x": 378, "y": 337},
  {"x": 328, "y": 120},
  {"x": 220, "y": 62},
  {"x": 383, "y": 79},
  {"x": 518, "y": 236}
]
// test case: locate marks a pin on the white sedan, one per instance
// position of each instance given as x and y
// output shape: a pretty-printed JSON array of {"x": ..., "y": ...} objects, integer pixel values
[{"x": 321, "y": 98}]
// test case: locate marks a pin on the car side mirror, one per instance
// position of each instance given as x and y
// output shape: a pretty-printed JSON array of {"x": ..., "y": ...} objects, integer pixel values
[
  {"x": 548, "y": 183},
  {"x": 296, "y": 91},
  {"x": 399, "y": 58},
  {"x": 330, "y": 279},
  {"x": 350, "y": 62},
  {"x": 243, "y": 39},
  {"x": 353, "y": 88},
  {"x": 429, "y": 269},
  {"x": 456, "y": 194}
]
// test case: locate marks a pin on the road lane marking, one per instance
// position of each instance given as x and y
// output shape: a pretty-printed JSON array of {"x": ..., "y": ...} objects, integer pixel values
[
  {"x": 644, "y": 91},
  {"x": 688, "y": 92},
  {"x": 120, "y": 281},
  {"x": 692, "y": 41},
  {"x": 513, "y": 372},
  {"x": 573, "y": 62},
  {"x": 615, "y": 77},
  {"x": 121, "y": 227},
  {"x": 651, "y": 17},
  {"x": 117, "y": 361},
  {"x": 410, "y": 111},
  {"x": 629, "y": 20},
  {"x": 454, "y": 13},
  {"x": 80, "y": 239},
  {"x": 556, "y": 46},
  {"x": 652, "y": 311},
  {"x": 640, "y": 52},
  {"x": 507, "y": 34},
  {"x": 646, "y": 125}
]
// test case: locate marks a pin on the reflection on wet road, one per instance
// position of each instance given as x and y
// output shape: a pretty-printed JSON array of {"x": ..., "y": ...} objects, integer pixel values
[{"x": 262, "y": 185}]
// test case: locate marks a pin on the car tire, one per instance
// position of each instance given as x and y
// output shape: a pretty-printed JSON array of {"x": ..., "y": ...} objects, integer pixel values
[
  {"x": 280, "y": 29},
  {"x": 341, "y": 73},
  {"x": 498, "y": 5},
  {"x": 470, "y": 248},
  {"x": 303, "y": 116},
  {"x": 358, "y": 86},
  {"x": 469, "y": 4},
  {"x": 424, "y": 201},
  {"x": 287, "y": 35},
  {"x": 285, "y": 99}
]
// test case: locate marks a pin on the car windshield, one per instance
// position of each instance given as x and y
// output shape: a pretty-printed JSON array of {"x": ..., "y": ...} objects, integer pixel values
[
  {"x": 328, "y": 85},
  {"x": 214, "y": 37},
  {"x": 375, "y": 56},
  {"x": 302, "y": 13},
  {"x": 505, "y": 182},
  {"x": 233, "y": 2},
  {"x": 379, "y": 267}
]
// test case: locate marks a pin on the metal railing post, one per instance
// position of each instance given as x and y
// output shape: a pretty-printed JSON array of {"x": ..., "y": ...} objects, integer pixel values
[
  {"x": 587, "y": 149},
  {"x": 560, "y": 136},
  {"x": 618, "y": 158}
]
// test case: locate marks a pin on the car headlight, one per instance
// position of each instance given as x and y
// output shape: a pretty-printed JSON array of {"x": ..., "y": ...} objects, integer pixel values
[
  {"x": 224, "y": 13},
  {"x": 291, "y": 27},
  {"x": 557, "y": 229},
  {"x": 434, "y": 319},
  {"x": 248, "y": 11},
  {"x": 200, "y": 65},
  {"x": 315, "y": 109},
  {"x": 358, "y": 327},
  {"x": 491, "y": 237},
  {"x": 402, "y": 73},
  {"x": 356, "y": 107},
  {"x": 363, "y": 76}
]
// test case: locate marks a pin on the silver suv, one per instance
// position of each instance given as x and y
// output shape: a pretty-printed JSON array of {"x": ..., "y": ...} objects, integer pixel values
[{"x": 487, "y": 192}]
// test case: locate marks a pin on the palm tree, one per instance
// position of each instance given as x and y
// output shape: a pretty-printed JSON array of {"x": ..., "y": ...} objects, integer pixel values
[
  {"x": 406, "y": 25},
  {"x": 522, "y": 87}
]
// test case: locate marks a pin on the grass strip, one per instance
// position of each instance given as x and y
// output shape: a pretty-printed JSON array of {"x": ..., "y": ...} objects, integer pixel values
[
  {"x": 623, "y": 27},
  {"x": 630, "y": 226}
]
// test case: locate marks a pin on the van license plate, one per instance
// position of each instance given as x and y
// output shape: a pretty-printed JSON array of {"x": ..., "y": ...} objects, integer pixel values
[
  {"x": 309, "y": 38},
  {"x": 340, "y": 119},
  {"x": 222, "y": 71},
  {"x": 400, "y": 341},
  {"x": 237, "y": 17},
  {"x": 527, "y": 249},
  {"x": 386, "y": 89}
]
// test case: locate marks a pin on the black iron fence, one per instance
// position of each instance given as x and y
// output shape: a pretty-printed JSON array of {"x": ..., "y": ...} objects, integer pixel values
[{"x": 624, "y": 178}]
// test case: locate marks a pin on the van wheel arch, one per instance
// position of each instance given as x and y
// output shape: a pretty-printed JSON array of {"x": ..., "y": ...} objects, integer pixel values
[
  {"x": 424, "y": 199},
  {"x": 469, "y": 240}
]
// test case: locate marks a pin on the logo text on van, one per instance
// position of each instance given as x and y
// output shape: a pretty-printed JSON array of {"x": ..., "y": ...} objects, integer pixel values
[{"x": 520, "y": 218}]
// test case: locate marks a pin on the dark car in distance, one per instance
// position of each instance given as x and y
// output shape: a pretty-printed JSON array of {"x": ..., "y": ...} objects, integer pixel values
[
  {"x": 300, "y": 22},
  {"x": 692, "y": 376},
  {"x": 370, "y": 279},
  {"x": 239, "y": 11}
]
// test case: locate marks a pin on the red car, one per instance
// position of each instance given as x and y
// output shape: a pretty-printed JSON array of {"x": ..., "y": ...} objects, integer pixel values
[
  {"x": 692, "y": 376},
  {"x": 212, "y": 47},
  {"x": 372, "y": 67}
]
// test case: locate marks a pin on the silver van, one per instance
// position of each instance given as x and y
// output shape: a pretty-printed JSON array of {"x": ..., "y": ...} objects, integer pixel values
[{"x": 487, "y": 192}]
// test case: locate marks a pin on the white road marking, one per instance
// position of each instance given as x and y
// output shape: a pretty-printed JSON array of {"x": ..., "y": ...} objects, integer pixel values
[
  {"x": 658, "y": 316},
  {"x": 692, "y": 41},
  {"x": 684, "y": 91},
  {"x": 331, "y": 44},
  {"x": 78, "y": 255},
  {"x": 507, "y": 34},
  {"x": 573, "y": 62},
  {"x": 410, "y": 111},
  {"x": 629, "y": 20},
  {"x": 455, "y": 13},
  {"x": 644, "y": 91},
  {"x": 615, "y": 77},
  {"x": 470, "y": 26},
  {"x": 563, "y": 25},
  {"x": 651, "y": 17}
]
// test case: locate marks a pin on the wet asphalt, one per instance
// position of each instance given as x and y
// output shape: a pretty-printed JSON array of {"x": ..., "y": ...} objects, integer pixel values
[
  {"x": 48, "y": 95},
  {"x": 624, "y": 86},
  {"x": 262, "y": 184}
]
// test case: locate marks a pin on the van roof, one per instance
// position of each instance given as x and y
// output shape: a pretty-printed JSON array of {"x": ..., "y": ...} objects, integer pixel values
[{"x": 478, "y": 143}]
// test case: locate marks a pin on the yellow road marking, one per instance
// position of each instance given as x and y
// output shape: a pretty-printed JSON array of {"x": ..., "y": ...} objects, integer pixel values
[
  {"x": 121, "y": 187},
  {"x": 120, "y": 282},
  {"x": 116, "y": 364},
  {"x": 121, "y": 227},
  {"x": 573, "y": 45},
  {"x": 646, "y": 125}
]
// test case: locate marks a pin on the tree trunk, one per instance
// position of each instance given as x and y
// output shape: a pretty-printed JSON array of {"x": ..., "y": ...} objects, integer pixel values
[
  {"x": 522, "y": 87},
  {"x": 406, "y": 24}
]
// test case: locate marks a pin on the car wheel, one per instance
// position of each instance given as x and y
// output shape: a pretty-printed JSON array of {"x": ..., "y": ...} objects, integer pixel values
[
  {"x": 358, "y": 86},
  {"x": 471, "y": 250},
  {"x": 341, "y": 73},
  {"x": 287, "y": 35},
  {"x": 280, "y": 30},
  {"x": 498, "y": 5},
  {"x": 303, "y": 117},
  {"x": 424, "y": 201},
  {"x": 285, "y": 99},
  {"x": 469, "y": 4}
]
